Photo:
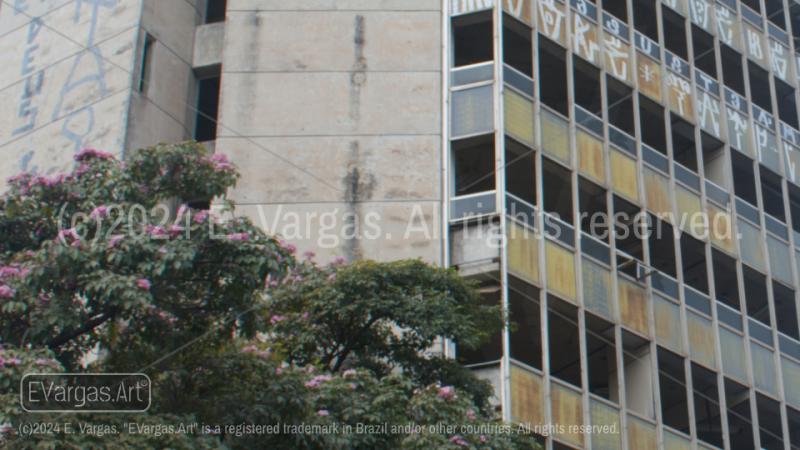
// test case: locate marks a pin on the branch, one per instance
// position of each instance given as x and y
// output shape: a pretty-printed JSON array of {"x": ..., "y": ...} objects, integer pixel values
[{"x": 90, "y": 325}]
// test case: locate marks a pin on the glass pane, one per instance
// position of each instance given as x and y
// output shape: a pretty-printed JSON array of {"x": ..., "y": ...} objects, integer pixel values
[
  {"x": 733, "y": 361},
  {"x": 608, "y": 437},
  {"x": 633, "y": 306},
  {"x": 668, "y": 324},
  {"x": 560, "y": 270},
  {"x": 764, "y": 375},
  {"x": 597, "y": 288},
  {"x": 519, "y": 117},
  {"x": 567, "y": 411},
  {"x": 701, "y": 340},
  {"x": 523, "y": 253},
  {"x": 555, "y": 136},
  {"x": 472, "y": 111},
  {"x": 752, "y": 245},
  {"x": 779, "y": 260},
  {"x": 526, "y": 397}
]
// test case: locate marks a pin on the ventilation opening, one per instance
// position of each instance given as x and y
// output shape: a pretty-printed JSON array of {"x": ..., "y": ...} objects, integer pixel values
[
  {"x": 740, "y": 428},
  {"x": 553, "y": 76},
  {"x": 787, "y": 107},
  {"x": 672, "y": 387},
  {"x": 794, "y": 206},
  {"x": 557, "y": 190},
  {"x": 146, "y": 69},
  {"x": 775, "y": 12},
  {"x": 772, "y": 193},
  {"x": 205, "y": 128},
  {"x": 215, "y": 11},
  {"x": 517, "y": 45},
  {"x": 620, "y": 105},
  {"x": 732, "y": 69},
  {"x": 794, "y": 427},
  {"x": 563, "y": 337},
  {"x": 675, "y": 33},
  {"x": 520, "y": 171},
  {"x": 616, "y": 8},
  {"x": 755, "y": 295},
  {"x": 628, "y": 220},
  {"x": 753, "y": 4},
  {"x": 725, "y": 280},
  {"x": 587, "y": 86},
  {"x": 644, "y": 18},
  {"x": 601, "y": 358},
  {"x": 651, "y": 117},
  {"x": 473, "y": 39},
  {"x": 492, "y": 349},
  {"x": 593, "y": 209},
  {"x": 706, "y": 406},
  {"x": 638, "y": 374},
  {"x": 769, "y": 423},
  {"x": 759, "y": 86},
  {"x": 526, "y": 335},
  {"x": 662, "y": 249},
  {"x": 714, "y": 161},
  {"x": 744, "y": 184},
  {"x": 693, "y": 257},
  {"x": 683, "y": 146},
  {"x": 705, "y": 57},
  {"x": 473, "y": 159},
  {"x": 785, "y": 310}
]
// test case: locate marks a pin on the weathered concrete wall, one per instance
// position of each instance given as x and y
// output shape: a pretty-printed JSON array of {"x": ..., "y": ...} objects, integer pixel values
[
  {"x": 332, "y": 110},
  {"x": 65, "y": 79}
]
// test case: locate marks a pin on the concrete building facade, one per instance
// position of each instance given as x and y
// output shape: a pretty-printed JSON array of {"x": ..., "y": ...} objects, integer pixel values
[{"x": 493, "y": 136}]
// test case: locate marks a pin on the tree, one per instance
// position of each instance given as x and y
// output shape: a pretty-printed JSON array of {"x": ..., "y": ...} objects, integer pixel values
[{"x": 232, "y": 327}]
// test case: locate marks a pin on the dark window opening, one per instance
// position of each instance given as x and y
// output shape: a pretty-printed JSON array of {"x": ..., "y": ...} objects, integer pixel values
[
  {"x": 683, "y": 145},
  {"x": 714, "y": 161},
  {"x": 617, "y": 9},
  {"x": 627, "y": 232},
  {"x": 675, "y": 33},
  {"x": 705, "y": 57},
  {"x": 794, "y": 16},
  {"x": 601, "y": 358},
  {"x": 651, "y": 117},
  {"x": 593, "y": 211},
  {"x": 620, "y": 105},
  {"x": 517, "y": 45},
  {"x": 474, "y": 159},
  {"x": 553, "y": 76},
  {"x": 587, "y": 86},
  {"x": 693, "y": 257},
  {"x": 794, "y": 427},
  {"x": 644, "y": 18},
  {"x": 662, "y": 246},
  {"x": 146, "y": 69},
  {"x": 725, "y": 280},
  {"x": 707, "y": 412},
  {"x": 769, "y": 423},
  {"x": 563, "y": 336},
  {"x": 775, "y": 12},
  {"x": 755, "y": 295},
  {"x": 215, "y": 11},
  {"x": 753, "y": 4},
  {"x": 794, "y": 205},
  {"x": 557, "y": 190},
  {"x": 473, "y": 40},
  {"x": 740, "y": 427},
  {"x": 492, "y": 349},
  {"x": 785, "y": 310},
  {"x": 787, "y": 106},
  {"x": 732, "y": 74},
  {"x": 638, "y": 373},
  {"x": 672, "y": 386},
  {"x": 525, "y": 339},
  {"x": 744, "y": 184},
  {"x": 205, "y": 128},
  {"x": 759, "y": 86},
  {"x": 772, "y": 194},
  {"x": 520, "y": 171}
]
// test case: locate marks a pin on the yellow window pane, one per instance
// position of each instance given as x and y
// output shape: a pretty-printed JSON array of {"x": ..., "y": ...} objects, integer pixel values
[
  {"x": 701, "y": 340},
  {"x": 526, "y": 397},
  {"x": 608, "y": 437},
  {"x": 648, "y": 72},
  {"x": 673, "y": 441},
  {"x": 720, "y": 226},
  {"x": 560, "y": 271},
  {"x": 555, "y": 136},
  {"x": 623, "y": 175},
  {"x": 597, "y": 288},
  {"x": 519, "y": 117},
  {"x": 523, "y": 253},
  {"x": 679, "y": 94},
  {"x": 590, "y": 156},
  {"x": 752, "y": 245},
  {"x": 519, "y": 9},
  {"x": 657, "y": 191},
  {"x": 690, "y": 215},
  {"x": 641, "y": 434},
  {"x": 567, "y": 411},
  {"x": 633, "y": 306},
  {"x": 668, "y": 324}
]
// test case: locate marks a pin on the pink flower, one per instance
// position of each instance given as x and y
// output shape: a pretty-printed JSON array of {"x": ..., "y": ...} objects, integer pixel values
[
  {"x": 13, "y": 362},
  {"x": 43, "y": 362},
  {"x": 323, "y": 413},
  {"x": 7, "y": 291},
  {"x": 339, "y": 260},
  {"x": 317, "y": 380},
  {"x": 458, "y": 440},
  {"x": 82, "y": 169},
  {"x": 305, "y": 316},
  {"x": 309, "y": 254},
  {"x": 68, "y": 233},
  {"x": 89, "y": 153},
  {"x": 220, "y": 162},
  {"x": 175, "y": 230},
  {"x": 349, "y": 373},
  {"x": 278, "y": 371},
  {"x": 143, "y": 284},
  {"x": 447, "y": 393},
  {"x": 115, "y": 239},
  {"x": 238, "y": 237},
  {"x": 249, "y": 349},
  {"x": 200, "y": 217},
  {"x": 470, "y": 414},
  {"x": 8, "y": 272},
  {"x": 276, "y": 318},
  {"x": 291, "y": 248},
  {"x": 181, "y": 211},
  {"x": 99, "y": 212},
  {"x": 483, "y": 439},
  {"x": 156, "y": 231}
]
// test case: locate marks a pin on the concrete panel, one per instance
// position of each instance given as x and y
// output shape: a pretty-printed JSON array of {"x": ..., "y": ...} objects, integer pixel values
[
  {"x": 617, "y": 57},
  {"x": 172, "y": 23},
  {"x": 270, "y": 104},
  {"x": 169, "y": 88},
  {"x": 591, "y": 160},
  {"x": 585, "y": 41},
  {"x": 471, "y": 246},
  {"x": 523, "y": 253},
  {"x": 149, "y": 125},
  {"x": 334, "y": 5},
  {"x": 567, "y": 412},
  {"x": 560, "y": 271},
  {"x": 553, "y": 21},
  {"x": 209, "y": 41},
  {"x": 527, "y": 406},
  {"x": 333, "y": 41}
]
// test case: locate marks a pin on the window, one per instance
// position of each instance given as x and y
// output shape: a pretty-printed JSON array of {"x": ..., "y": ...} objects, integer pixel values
[
  {"x": 205, "y": 128},
  {"x": 693, "y": 257},
  {"x": 638, "y": 374},
  {"x": 662, "y": 246},
  {"x": 755, "y": 295},
  {"x": 557, "y": 190},
  {"x": 587, "y": 86},
  {"x": 794, "y": 427},
  {"x": 785, "y": 310},
  {"x": 520, "y": 171},
  {"x": 769, "y": 423},
  {"x": 473, "y": 39},
  {"x": 593, "y": 211},
  {"x": 651, "y": 117},
  {"x": 616, "y": 8},
  {"x": 564, "y": 351},
  {"x": 683, "y": 144},
  {"x": 759, "y": 86},
  {"x": 787, "y": 107},
  {"x": 644, "y": 18},
  {"x": 526, "y": 338},
  {"x": 672, "y": 387},
  {"x": 794, "y": 16},
  {"x": 473, "y": 159},
  {"x": 794, "y": 205},
  {"x": 740, "y": 427},
  {"x": 744, "y": 185},
  {"x": 601, "y": 358},
  {"x": 215, "y": 11},
  {"x": 775, "y": 12},
  {"x": 753, "y": 4},
  {"x": 620, "y": 105},
  {"x": 714, "y": 161},
  {"x": 725, "y": 280},
  {"x": 492, "y": 349},
  {"x": 675, "y": 33},
  {"x": 553, "y": 76},
  {"x": 772, "y": 194},
  {"x": 517, "y": 46},
  {"x": 732, "y": 74},
  {"x": 628, "y": 220},
  {"x": 704, "y": 55},
  {"x": 146, "y": 68},
  {"x": 707, "y": 414}
]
